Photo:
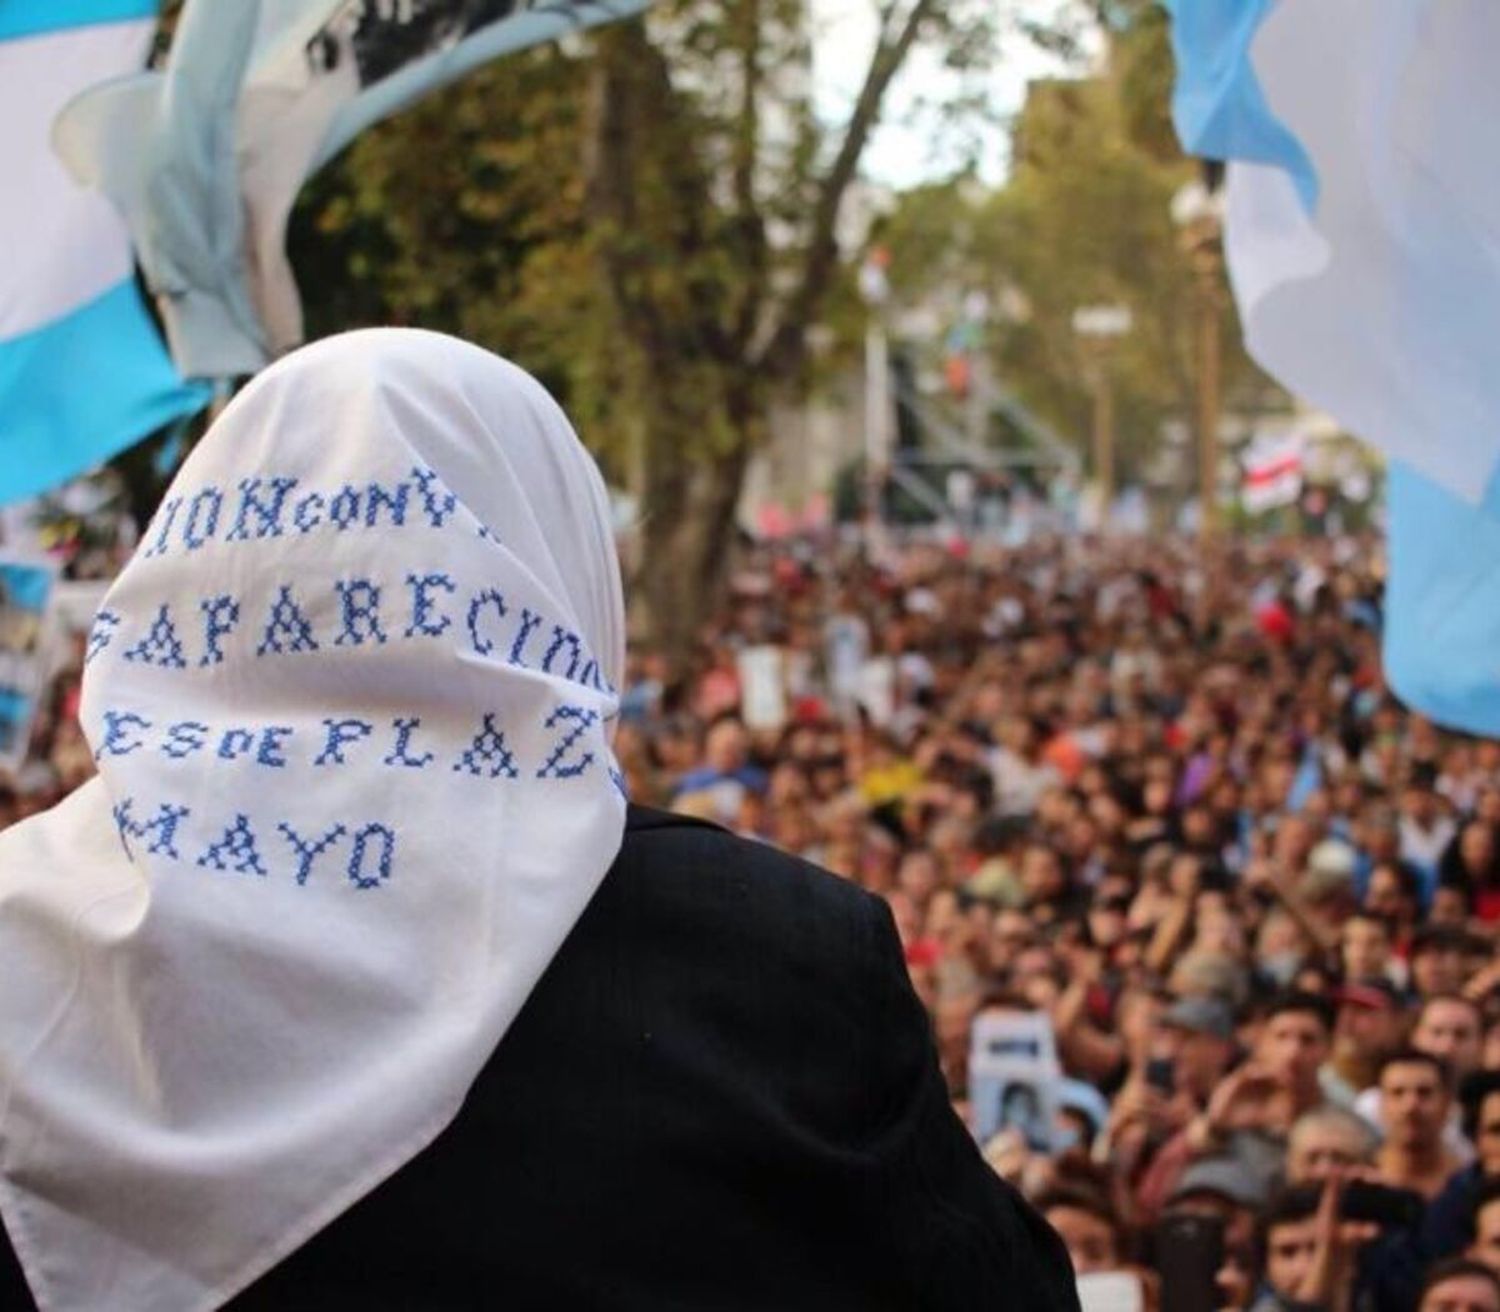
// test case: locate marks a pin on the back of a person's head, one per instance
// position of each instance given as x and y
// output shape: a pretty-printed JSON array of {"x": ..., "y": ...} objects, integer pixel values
[{"x": 351, "y": 703}]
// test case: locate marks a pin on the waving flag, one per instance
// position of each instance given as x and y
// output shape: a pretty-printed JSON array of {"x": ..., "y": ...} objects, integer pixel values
[
  {"x": 1273, "y": 472},
  {"x": 1363, "y": 240},
  {"x": 207, "y": 159},
  {"x": 1442, "y": 634},
  {"x": 1364, "y": 216},
  {"x": 82, "y": 370}
]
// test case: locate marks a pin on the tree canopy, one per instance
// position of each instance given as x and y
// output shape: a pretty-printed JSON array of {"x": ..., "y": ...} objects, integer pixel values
[
  {"x": 648, "y": 220},
  {"x": 1083, "y": 219}
]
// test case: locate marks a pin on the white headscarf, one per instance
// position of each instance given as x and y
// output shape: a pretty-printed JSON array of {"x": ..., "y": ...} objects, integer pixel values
[{"x": 351, "y": 706}]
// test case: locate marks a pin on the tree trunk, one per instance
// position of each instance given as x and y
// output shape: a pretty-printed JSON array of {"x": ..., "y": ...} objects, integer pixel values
[{"x": 688, "y": 523}]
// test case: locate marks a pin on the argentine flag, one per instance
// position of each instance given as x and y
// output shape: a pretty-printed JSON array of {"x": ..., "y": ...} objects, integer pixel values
[
  {"x": 1363, "y": 242},
  {"x": 83, "y": 372}
]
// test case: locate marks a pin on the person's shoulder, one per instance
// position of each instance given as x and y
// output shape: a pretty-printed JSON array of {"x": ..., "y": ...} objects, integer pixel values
[
  {"x": 665, "y": 840},
  {"x": 664, "y": 851}
]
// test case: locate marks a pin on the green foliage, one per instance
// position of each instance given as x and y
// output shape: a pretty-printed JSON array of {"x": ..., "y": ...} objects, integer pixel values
[
  {"x": 647, "y": 220},
  {"x": 464, "y": 215},
  {"x": 1084, "y": 219}
]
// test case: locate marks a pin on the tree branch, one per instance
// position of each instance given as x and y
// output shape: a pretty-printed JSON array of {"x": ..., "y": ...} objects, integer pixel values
[
  {"x": 749, "y": 229},
  {"x": 784, "y": 353}
]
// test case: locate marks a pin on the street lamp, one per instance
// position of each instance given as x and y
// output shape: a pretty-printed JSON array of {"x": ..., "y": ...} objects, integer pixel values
[
  {"x": 1099, "y": 327},
  {"x": 1198, "y": 211}
]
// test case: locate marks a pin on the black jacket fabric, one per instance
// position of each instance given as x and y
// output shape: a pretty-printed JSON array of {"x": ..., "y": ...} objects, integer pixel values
[{"x": 721, "y": 1095}]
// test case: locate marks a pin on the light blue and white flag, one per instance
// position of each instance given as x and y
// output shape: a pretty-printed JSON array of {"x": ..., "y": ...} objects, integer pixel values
[
  {"x": 1364, "y": 216},
  {"x": 83, "y": 373},
  {"x": 1363, "y": 241},
  {"x": 1442, "y": 633},
  {"x": 206, "y": 159}
]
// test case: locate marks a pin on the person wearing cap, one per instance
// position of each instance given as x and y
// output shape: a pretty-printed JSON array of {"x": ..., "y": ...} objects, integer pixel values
[
  {"x": 1197, "y": 1035},
  {"x": 1226, "y": 1190},
  {"x": 1222, "y": 1185},
  {"x": 1368, "y": 1030}
]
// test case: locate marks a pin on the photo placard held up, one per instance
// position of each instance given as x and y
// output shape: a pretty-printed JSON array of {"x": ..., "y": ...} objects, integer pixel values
[
  {"x": 26, "y": 590},
  {"x": 1014, "y": 1076}
]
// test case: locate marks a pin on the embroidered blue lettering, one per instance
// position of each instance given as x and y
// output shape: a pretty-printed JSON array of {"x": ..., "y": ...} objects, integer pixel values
[
  {"x": 270, "y": 750},
  {"x": 286, "y": 622},
  {"x": 235, "y": 850},
  {"x": 394, "y": 500},
  {"x": 161, "y": 828},
  {"x": 267, "y": 512},
  {"x": 220, "y": 615},
  {"x": 617, "y": 778},
  {"x": 341, "y": 733},
  {"x": 307, "y": 514},
  {"x": 399, "y": 754},
  {"x": 361, "y": 604},
  {"x": 235, "y": 743},
  {"x": 422, "y": 604},
  {"x": 184, "y": 738},
  {"x": 438, "y": 507},
  {"x": 100, "y": 632},
  {"x": 308, "y": 851},
  {"x": 489, "y": 597},
  {"x": 205, "y": 507},
  {"x": 164, "y": 518},
  {"x": 357, "y": 875},
  {"x": 488, "y": 752},
  {"x": 160, "y": 646},
  {"x": 343, "y": 510},
  {"x": 582, "y": 719},
  {"x": 561, "y": 638},
  {"x": 117, "y": 726},
  {"x": 528, "y": 623}
]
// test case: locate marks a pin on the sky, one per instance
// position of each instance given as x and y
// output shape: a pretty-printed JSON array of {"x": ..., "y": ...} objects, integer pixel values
[{"x": 908, "y": 148}]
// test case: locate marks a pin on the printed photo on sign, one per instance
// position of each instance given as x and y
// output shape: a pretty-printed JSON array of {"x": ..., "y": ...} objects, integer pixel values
[
  {"x": 1014, "y": 1077},
  {"x": 25, "y": 591},
  {"x": 763, "y": 680}
]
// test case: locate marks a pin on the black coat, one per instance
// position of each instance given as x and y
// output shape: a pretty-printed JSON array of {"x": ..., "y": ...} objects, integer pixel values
[{"x": 721, "y": 1095}]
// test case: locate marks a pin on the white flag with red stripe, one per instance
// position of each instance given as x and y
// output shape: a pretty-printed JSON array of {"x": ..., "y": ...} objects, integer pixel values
[{"x": 1273, "y": 472}]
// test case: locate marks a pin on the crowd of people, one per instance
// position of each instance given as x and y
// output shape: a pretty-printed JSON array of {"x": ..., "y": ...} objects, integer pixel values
[{"x": 1154, "y": 810}]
